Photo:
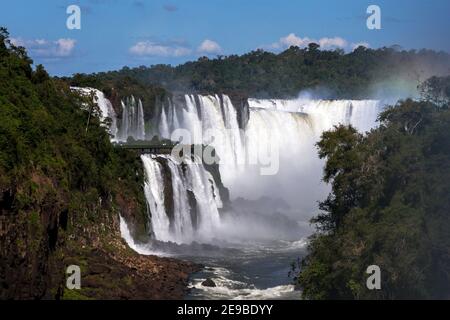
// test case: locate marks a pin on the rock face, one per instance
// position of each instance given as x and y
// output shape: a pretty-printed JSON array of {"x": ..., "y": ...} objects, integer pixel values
[
  {"x": 240, "y": 101},
  {"x": 63, "y": 186},
  {"x": 208, "y": 283},
  {"x": 128, "y": 275},
  {"x": 152, "y": 96},
  {"x": 223, "y": 191},
  {"x": 44, "y": 228},
  {"x": 36, "y": 250}
]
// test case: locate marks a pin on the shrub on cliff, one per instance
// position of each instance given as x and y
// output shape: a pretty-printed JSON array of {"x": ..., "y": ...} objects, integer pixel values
[{"x": 61, "y": 181}]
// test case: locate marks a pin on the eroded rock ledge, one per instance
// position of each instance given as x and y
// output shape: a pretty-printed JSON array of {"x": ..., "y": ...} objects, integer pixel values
[{"x": 129, "y": 275}]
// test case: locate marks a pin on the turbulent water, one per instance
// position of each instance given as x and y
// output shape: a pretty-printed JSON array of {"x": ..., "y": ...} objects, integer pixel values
[
  {"x": 278, "y": 131},
  {"x": 267, "y": 156}
]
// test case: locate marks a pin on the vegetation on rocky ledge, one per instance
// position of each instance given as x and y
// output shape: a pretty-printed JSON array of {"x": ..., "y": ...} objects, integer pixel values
[
  {"x": 119, "y": 87},
  {"x": 62, "y": 187},
  {"x": 389, "y": 206}
]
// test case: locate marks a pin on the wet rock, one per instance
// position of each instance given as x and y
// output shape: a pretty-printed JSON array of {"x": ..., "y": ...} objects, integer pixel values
[{"x": 208, "y": 283}]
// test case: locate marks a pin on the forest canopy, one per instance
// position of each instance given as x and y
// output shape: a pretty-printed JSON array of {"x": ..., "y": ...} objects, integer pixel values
[
  {"x": 62, "y": 183},
  {"x": 362, "y": 73},
  {"x": 389, "y": 205}
]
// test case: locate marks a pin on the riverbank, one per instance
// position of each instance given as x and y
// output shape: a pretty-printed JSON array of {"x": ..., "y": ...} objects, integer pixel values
[{"x": 128, "y": 275}]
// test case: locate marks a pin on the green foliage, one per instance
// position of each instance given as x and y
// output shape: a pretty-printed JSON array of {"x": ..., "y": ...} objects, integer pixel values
[
  {"x": 60, "y": 176},
  {"x": 43, "y": 127},
  {"x": 118, "y": 86},
  {"x": 331, "y": 73},
  {"x": 437, "y": 90},
  {"x": 389, "y": 206}
]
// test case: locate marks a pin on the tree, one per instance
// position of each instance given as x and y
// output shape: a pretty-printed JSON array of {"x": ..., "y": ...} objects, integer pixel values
[
  {"x": 388, "y": 206},
  {"x": 437, "y": 90}
]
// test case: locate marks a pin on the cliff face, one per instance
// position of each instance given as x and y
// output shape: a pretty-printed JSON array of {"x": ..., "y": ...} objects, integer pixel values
[
  {"x": 240, "y": 101},
  {"x": 30, "y": 241},
  {"x": 38, "y": 245},
  {"x": 152, "y": 96},
  {"x": 62, "y": 188},
  {"x": 223, "y": 191}
]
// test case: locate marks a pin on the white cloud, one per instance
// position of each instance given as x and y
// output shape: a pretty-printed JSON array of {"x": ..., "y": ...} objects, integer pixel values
[
  {"x": 173, "y": 48},
  {"x": 209, "y": 47},
  {"x": 149, "y": 48},
  {"x": 42, "y": 48},
  {"x": 336, "y": 42},
  {"x": 356, "y": 45},
  {"x": 293, "y": 40},
  {"x": 65, "y": 47}
]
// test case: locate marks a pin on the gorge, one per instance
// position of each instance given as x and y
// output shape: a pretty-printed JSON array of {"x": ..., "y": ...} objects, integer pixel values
[
  {"x": 193, "y": 150},
  {"x": 230, "y": 217}
]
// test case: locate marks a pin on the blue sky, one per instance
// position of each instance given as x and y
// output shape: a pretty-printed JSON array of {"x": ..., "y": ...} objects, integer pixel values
[{"x": 115, "y": 33}]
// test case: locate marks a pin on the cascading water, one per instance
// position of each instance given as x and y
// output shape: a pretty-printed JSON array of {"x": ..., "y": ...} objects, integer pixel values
[
  {"x": 277, "y": 122},
  {"x": 184, "y": 200},
  {"x": 210, "y": 120},
  {"x": 105, "y": 106},
  {"x": 195, "y": 198},
  {"x": 284, "y": 129},
  {"x": 289, "y": 129},
  {"x": 132, "y": 123},
  {"x": 326, "y": 113},
  {"x": 182, "y": 220}
]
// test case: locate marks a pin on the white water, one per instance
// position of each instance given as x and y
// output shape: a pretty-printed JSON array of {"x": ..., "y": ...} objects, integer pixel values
[
  {"x": 326, "y": 113},
  {"x": 141, "y": 248},
  {"x": 288, "y": 128},
  {"x": 196, "y": 179},
  {"x": 229, "y": 288},
  {"x": 253, "y": 272},
  {"x": 132, "y": 123},
  {"x": 280, "y": 134},
  {"x": 208, "y": 113},
  {"x": 292, "y": 127},
  {"x": 105, "y": 106}
]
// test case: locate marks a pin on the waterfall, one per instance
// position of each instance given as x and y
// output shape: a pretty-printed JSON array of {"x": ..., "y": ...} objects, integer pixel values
[
  {"x": 325, "y": 113},
  {"x": 105, "y": 107},
  {"x": 203, "y": 114},
  {"x": 294, "y": 126},
  {"x": 132, "y": 123},
  {"x": 283, "y": 125},
  {"x": 289, "y": 127},
  {"x": 154, "y": 193},
  {"x": 184, "y": 200}
]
